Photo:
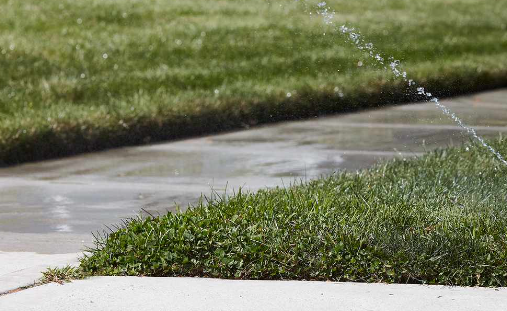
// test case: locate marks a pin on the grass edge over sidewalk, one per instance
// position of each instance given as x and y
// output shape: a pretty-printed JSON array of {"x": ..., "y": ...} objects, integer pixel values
[{"x": 437, "y": 219}]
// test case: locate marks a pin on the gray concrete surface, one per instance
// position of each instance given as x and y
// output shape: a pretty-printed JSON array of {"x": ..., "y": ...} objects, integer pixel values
[
  {"x": 51, "y": 207},
  {"x": 132, "y": 293},
  {"x": 25, "y": 267}
]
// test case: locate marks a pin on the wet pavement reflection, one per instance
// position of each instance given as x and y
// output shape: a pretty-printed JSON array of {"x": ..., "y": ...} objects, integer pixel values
[{"x": 81, "y": 194}]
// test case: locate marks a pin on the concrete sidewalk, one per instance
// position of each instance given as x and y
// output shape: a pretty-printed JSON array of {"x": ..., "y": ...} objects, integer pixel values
[
  {"x": 24, "y": 268},
  {"x": 188, "y": 294}
]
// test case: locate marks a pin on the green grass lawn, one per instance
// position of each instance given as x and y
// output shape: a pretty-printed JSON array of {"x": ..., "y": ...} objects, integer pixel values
[
  {"x": 438, "y": 219},
  {"x": 85, "y": 75}
]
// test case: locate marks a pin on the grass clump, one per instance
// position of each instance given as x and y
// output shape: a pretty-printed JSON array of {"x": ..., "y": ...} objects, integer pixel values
[
  {"x": 438, "y": 219},
  {"x": 61, "y": 275},
  {"x": 80, "y": 75}
]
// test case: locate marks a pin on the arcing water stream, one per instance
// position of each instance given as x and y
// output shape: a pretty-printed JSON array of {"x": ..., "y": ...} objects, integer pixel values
[{"x": 394, "y": 65}]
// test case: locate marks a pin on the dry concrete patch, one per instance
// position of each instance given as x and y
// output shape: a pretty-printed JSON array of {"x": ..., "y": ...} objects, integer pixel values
[
  {"x": 135, "y": 293},
  {"x": 19, "y": 269}
]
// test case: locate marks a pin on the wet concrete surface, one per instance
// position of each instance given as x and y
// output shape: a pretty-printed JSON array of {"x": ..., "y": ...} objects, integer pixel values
[{"x": 64, "y": 200}]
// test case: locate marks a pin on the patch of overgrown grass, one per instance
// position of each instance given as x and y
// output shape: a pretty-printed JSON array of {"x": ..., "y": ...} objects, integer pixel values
[
  {"x": 79, "y": 76},
  {"x": 61, "y": 275},
  {"x": 437, "y": 219}
]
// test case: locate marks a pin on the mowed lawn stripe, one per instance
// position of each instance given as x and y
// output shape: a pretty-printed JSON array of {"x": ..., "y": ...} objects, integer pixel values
[{"x": 81, "y": 76}]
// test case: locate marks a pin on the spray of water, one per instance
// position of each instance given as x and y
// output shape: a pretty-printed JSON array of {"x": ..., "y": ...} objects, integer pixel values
[{"x": 394, "y": 65}]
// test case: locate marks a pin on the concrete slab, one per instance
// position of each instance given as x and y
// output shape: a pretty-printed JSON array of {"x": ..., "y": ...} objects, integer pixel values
[
  {"x": 24, "y": 268},
  {"x": 132, "y": 293}
]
